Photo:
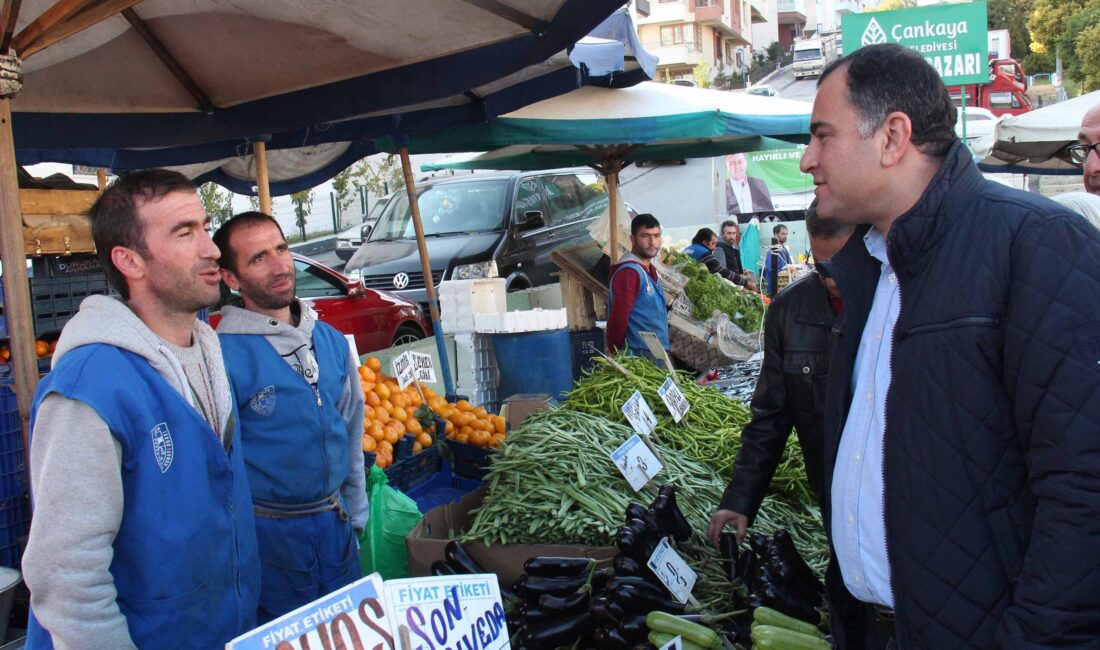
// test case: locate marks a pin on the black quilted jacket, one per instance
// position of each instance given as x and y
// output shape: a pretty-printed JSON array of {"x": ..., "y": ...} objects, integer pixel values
[{"x": 992, "y": 448}]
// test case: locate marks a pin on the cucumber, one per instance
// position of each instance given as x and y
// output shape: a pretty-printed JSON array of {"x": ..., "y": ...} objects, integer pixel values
[
  {"x": 768, "y": 616},
  {"x": 659, "y": 639},
  {"x": 778, "y": 638},
  {"x": 693, "y": 632}
]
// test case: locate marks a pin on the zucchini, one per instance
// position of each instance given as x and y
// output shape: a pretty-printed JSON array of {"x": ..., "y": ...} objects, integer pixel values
[
  {"x": 692, "y": 632},
  {"x": 660, "y": 639},
  {"x": 769, "y": 616},
  {"x": 767, "y": 636}
]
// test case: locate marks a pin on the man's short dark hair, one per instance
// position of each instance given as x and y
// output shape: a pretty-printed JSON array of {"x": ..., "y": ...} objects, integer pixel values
[
  {"x": 643, "y": 221},
  {"x": 249, "y": 219},
  {"x": 888, "y": 78},
  {"x": 778, "y": 229},
  {"x": 730, "y": 223},
  {"x": 114, "y": 216},
  {"x": 822, "y": 228}
]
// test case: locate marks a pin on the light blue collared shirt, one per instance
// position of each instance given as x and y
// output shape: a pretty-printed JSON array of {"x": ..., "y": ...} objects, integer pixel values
[{"x": 858, "y": 520}]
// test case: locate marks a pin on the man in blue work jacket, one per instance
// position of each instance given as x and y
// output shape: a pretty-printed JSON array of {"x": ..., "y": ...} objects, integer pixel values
[
  {"x": 143, "y": 534},
  {"x": 636, "y": 302},
  {"x": 301, "y": 407}
]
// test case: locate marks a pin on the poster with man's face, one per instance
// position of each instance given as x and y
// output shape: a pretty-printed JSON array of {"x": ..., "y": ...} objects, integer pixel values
[{"x": 760, "y": 183}]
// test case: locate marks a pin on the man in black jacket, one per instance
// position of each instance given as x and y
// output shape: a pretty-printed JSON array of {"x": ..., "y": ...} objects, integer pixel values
[
  {"x": 790, "y": 392},
  {"x": 729, "y": 251},
  {"x": 962, "y": 425}
]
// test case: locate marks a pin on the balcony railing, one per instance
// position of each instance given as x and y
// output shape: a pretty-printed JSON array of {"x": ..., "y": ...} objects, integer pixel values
[{"x": 797, "y": 6}]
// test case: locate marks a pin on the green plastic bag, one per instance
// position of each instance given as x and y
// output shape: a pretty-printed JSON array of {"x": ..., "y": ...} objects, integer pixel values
[{"x": 382, "y": 542}]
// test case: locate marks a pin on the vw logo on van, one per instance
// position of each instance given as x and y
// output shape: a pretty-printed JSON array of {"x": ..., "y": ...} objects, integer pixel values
[{"x": 401, "y": 280}]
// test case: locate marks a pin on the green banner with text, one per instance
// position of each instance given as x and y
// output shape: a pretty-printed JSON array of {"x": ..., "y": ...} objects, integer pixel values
[{"x": 953, "y": 38}]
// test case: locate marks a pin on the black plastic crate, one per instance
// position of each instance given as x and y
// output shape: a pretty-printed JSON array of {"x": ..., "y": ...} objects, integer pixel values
[
  {"x": 53, "y": 266},
  {"x": 14, "y": 505},
  {"x": 55, "y": 300},
  {"x": 468, "y": 461},
  {"x": 586, "y": 346}
]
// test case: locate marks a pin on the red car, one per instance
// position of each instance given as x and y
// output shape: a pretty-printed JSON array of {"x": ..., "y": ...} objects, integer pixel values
[{"x": 377, "y": 319}]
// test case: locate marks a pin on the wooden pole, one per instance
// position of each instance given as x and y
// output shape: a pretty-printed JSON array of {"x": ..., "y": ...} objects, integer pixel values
[
  {"x": 426, "y": 267},
  {"x": 17, "y": 294},
  {"x": 101, "y": 178},
  {"x": 612, "y": 168},
  {"x": 263, "y": 187}
]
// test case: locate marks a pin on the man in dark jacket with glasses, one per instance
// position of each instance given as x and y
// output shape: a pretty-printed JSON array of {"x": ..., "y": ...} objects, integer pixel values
[{"x": 1084, "y": 152}]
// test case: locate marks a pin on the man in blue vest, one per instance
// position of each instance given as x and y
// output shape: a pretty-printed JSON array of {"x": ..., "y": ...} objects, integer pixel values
[
  {"x": 143, "y": 534},
  {"x": 636, "y": 302},
  {"x": 301, "y": 407}
]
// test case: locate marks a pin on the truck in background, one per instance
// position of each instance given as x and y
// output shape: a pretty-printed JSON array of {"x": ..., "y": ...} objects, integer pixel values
[
  {"x": 1004, "y": 94},
  {"x": 811, "y": 55}
]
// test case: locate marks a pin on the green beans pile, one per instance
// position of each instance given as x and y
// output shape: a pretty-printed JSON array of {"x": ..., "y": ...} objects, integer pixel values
[
  {"x": 710, "y": 433},
  {"x": 553, "y": 482}
]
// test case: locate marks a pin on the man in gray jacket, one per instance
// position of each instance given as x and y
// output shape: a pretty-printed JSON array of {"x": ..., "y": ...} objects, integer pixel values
[
  {"x": 301, "y": 407},
  {"x": 142, "y": 533}
]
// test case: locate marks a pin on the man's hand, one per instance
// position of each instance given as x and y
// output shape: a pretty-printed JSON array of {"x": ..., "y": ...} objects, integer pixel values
[{"x": 723, "y": 518}]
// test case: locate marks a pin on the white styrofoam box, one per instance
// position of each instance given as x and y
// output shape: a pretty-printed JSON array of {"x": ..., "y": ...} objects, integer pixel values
[
  {"x": 460, "y": 300},
  {"x": 532, "y": 320}
]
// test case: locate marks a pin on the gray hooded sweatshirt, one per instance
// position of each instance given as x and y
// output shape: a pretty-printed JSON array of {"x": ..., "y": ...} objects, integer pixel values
[
  {"x": 295, "y": 345},
  {"x": 76, "y": 480}
]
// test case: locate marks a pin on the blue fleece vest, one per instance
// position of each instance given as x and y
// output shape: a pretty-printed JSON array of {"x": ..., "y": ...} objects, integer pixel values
[
  {"x": 185, "y": 561},
  {"x": 649, "y": 313},
  {"x": 297, "y": 440},
  {"x": 697, "y": 251}
]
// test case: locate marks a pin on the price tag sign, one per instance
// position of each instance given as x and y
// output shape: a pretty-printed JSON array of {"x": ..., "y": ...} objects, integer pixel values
[
  {"x": 676, "y": 643},
  {"x": 656, "y": 349},
  {"x": 671, "y": 569},
  {"x": 403, "y": 370},
  {"x": 675, "y": 401},
  {"x": 423, "y": 366},
  {"x": 354, "y": 349},
  {"x": 353, "y": 617},
  {"x": 639, "y": 414},
  {"x": 637, "y": 462},
  {"x": 447, "y": 612}
]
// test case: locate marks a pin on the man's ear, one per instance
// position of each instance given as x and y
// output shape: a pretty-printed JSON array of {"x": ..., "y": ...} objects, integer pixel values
[
  {"x": 897, "y": 130},
  {"x": 129, "y": 262},
  {"x": 229, "y": 279}
]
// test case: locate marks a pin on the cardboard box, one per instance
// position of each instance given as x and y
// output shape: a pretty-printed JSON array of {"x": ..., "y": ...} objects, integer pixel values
[
  {"x": 426, "y": 542},
  {"x": 518, "y": 407}
]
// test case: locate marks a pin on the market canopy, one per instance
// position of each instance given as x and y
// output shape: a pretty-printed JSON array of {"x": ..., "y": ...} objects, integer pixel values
[
  {"x": 1030, "y": 142},
  {"x": 676, "y": 117},
  {"x": 170, "y": 73},
  {"x": 610, "y": 55}
]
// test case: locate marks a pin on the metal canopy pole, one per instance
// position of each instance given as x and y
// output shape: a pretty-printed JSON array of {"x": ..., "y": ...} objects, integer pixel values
[{"x": 426, "y": 267}]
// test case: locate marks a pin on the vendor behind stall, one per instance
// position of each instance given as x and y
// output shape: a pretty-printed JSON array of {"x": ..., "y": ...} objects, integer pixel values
[
  {"x": 636, "y": 302},
  {"x": 702, "y": 250},
  {"x": 301, "y": 410}
]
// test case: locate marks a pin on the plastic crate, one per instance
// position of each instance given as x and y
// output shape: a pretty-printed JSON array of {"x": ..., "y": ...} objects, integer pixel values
[
  {"x": 586, "y": 346},
  {"x": 14, "y": 506},
  {"x": 468, "y": 461},
  {"x": 55, "y": 300},
  {"x": 420, "y": 468},
  {"x": 443, "y": 488}
]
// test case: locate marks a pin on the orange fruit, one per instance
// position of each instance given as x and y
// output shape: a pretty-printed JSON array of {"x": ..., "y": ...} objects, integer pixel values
[
  {"x": 417, "y": 448},
  {"x": 412, "y": 425},
  {"x": 464, "y": 406},
  {"x": 388, "y": 405},
  {"x": 372, "y": 399},
  {"x": 463, "y": 438},
  {"x": 53, "y": 346},
  {"x": 383, "y": 390},
  {"x": 449, "y": 427},
  {"x": 480, "y": 413},
  {"x": 499, "y": 425},
  {"x": 399, "y": 414},
  {"x": 399, "y": 400},
  {"x": 368, "y": 374},
  {"x": 369, "y": 444},
  {"x": 41, "y": 348},
  {"x": 425, "y": 440},
  {"x": 386, "y": 446},
  {"x": 376, "y": 431},
  {"x": 381, "y": 414},
  {"x": 392, "y": 437},
  {"x": 374, "y": 364}
]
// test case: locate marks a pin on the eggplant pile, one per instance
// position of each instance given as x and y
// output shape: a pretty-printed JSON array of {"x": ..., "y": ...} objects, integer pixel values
[
  {"x": 568, "y": 599},
  {"x": 775, "y": 575}
]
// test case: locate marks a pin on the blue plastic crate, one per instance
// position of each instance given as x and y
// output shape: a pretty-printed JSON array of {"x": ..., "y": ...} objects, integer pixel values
[
  {"x": 14, "y": 505},
  {"x": 468, "y": 461},
  {"x": 443, "y": 488}
]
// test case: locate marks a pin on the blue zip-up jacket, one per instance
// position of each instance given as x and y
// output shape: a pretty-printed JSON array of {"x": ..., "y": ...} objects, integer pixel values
[
  {"x": 296, "y": 437},
  {"x": 185, "y": 564},
  {"x": 992, "y": 420}
]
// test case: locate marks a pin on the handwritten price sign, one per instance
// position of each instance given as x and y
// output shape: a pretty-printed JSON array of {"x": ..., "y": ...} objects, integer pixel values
[
  {"x": 449, "y": 611},
  {"x": 671, "y": 569},
  {"x": 675, "y": 401},
  {"x": 639, "y": 415}
]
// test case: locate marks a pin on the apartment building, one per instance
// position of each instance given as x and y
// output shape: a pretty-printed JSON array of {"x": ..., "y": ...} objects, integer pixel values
[{"x": 686, "y": 33}]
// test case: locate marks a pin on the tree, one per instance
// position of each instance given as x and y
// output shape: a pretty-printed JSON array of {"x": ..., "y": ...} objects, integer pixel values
[
  {"x": 380, "y": 177},
  {"x": 1063, "y": 29},
  {"x": 218, "y": 204},
  {"x": 701, "y": 74},
  {"x": 343, "y": 186},
  {"x": 1012, "y": 15},
  {"x": 303, "y": 206},
  {"x": 775, "y": 52},
  {"x": 254, "y": 202}
]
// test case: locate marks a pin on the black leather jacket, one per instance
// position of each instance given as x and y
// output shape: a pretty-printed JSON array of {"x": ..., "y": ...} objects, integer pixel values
[{"x": 790, "y": 393}]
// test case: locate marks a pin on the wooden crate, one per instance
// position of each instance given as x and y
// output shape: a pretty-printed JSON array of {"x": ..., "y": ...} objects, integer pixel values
[{"x": 55, "y": 222}]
